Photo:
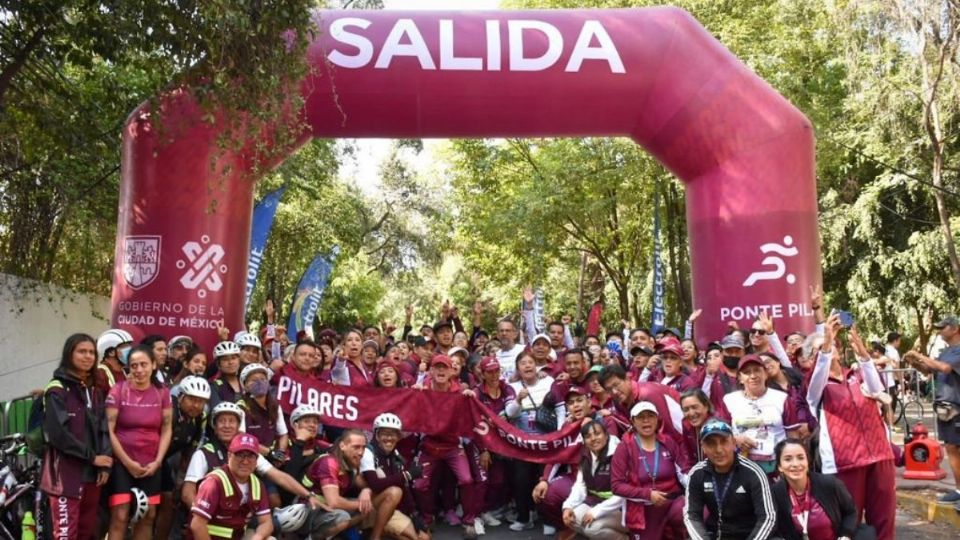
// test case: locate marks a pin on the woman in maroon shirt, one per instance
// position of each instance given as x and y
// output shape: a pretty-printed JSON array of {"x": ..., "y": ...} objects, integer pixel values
[{"x": 810, "y": 505}]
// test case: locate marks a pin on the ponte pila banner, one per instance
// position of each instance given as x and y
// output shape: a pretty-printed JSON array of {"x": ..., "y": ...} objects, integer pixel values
[{"x": 745, "y": 154}]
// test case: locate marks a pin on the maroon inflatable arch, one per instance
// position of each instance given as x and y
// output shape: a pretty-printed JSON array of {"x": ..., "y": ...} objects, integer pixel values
[{"x": 655, "y": 75}]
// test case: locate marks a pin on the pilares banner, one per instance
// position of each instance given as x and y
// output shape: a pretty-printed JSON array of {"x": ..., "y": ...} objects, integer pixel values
[
  {"x": 306, "y": 300},
  {"x": 347, "y": 406}
]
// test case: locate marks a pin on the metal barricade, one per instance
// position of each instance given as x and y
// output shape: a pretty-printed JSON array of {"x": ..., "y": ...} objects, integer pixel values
[
  {"x": 914, "y": 402},
  {"x": 16, "y": 415}
]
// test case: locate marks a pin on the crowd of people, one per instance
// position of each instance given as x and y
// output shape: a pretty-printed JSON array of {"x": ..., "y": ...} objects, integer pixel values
[{"x": 755, "y": 436}]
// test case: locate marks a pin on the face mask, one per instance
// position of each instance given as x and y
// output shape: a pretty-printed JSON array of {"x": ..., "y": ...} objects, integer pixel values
[
  {"x": 731, "y": 362},
  {"x": 259, "y": 388},
  {"x": 124, "y": 357}
]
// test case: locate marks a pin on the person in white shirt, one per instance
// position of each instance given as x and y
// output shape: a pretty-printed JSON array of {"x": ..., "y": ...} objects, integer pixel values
[
  {"x": 592, "y": 509},
  {"x": 509, "y": 348}
]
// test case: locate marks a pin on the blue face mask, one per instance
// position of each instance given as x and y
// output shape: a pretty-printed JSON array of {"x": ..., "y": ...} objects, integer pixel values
[
  {"x": 259, "y": 388},
  {"x": 124, "y": 357}
]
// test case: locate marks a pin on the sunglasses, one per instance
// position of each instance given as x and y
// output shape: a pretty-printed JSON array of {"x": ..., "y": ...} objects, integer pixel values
[{"x": 755, "y": 331}]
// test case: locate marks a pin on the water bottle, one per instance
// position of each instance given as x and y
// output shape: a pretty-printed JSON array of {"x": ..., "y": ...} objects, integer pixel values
[{"x": 28, "y": 530}]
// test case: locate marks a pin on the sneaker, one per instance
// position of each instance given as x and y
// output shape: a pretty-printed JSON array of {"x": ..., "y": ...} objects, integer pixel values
[
  {"x": 478, "y": 526},
  {"x": 549, "y": 530},
  {"x": 952, "y": 497},
  {"x": 511, "y": 515},
  {"x": 498, "y": 513},
  {"x": 521, "y": 526},
  {"x": 451, "y": 517},
  {"x": 469, "y": 532},
  {"x": 490, "y": 520}
]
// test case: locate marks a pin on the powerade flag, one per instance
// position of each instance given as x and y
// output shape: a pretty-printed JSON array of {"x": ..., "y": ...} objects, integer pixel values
[
  {"x": 306, "y": 300},
  {"x": 263, "y": 215},
  {"x": 659, "y": 311}
]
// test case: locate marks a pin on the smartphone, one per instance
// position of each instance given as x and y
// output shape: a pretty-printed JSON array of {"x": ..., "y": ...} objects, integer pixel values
[{"x": 846, "y": 318}]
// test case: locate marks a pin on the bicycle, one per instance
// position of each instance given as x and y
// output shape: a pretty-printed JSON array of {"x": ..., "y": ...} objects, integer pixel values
[{"x": 19, "y": 490}]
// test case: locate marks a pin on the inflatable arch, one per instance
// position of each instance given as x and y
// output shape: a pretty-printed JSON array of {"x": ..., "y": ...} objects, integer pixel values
[{"x": 745, "y": 154}]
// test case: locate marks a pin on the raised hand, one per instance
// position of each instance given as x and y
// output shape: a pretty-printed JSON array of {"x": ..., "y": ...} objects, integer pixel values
[{"x": 695, "y": 315}]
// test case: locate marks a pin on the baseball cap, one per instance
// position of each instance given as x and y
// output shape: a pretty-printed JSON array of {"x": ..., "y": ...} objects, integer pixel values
[
  {"x": 371, "y": 343},
  {"x": 670, "y": 344},
  {"x": 244, "y": 442},
  {"x": 456, "y": 350},
  {"x": 749, "y": 359},
  {"x": 575, "y": 390},
  {"x": 423, "y": 341},
  {"x": 715, "y": 427},
  {"x": 949, "y": 320},
  {"x": 673, "y": 331},
  {"x": 714, "y": 345},
  {"x": 441, "y": 359},
  {"x": 441, "y": 324},
  {"x": 538, "y": 337},
  {"x": 640, "y": 349},
  {"x": 489, "y": 364},
  {"x": 643, "y": 406},
  {"x": 387, "y": 363},
  {"x": 731, "y": 341}
]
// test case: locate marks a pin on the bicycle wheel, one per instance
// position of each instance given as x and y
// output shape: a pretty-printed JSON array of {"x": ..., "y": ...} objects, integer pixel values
[{"x": 911, "y": 412}]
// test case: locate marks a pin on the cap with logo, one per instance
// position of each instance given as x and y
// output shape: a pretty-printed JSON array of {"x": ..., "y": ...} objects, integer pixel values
[
  {"x": 749, "y": 359},
  {"x": 640, "y": 349},
  {"x": 489, "y": 365},
  {"x": 715, "y": 427},
  {"x": 442, "y": 324},
  {"x": 575, "y": 390},
  {"x": 244, "y": 442},
  {"x": 423, "y": 341},
  {"x": 670, "y": 345}
]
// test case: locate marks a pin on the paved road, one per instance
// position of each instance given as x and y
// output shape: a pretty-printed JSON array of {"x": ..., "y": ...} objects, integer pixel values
[{"x": 909, "y": 527}]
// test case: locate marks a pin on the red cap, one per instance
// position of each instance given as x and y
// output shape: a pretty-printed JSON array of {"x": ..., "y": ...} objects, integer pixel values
[
  {"x": 575, "y": 390},
  {"x": 244, "y": 442},
  {"x": 388, "y": 363},
  {"x": 669, "y": 344},
  {"x": 489, "y": 364},
  {"x": 441, "y": 359},
  {"x": 750, "y": 359}
]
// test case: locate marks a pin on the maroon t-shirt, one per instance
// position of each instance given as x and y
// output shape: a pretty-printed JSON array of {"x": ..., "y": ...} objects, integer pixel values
[
  {"x": 325, "y": 471},
  {"x": 139, "y": 418}
]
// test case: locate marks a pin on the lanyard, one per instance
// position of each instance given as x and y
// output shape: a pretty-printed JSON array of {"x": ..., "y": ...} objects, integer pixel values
[
  {"x": 721, "y": 493},
  {"x": 803, "y": 517},
  {"x": 656, "y": 462}
]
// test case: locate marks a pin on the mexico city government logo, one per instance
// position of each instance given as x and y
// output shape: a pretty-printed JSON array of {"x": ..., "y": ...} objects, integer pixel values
[
  {"x": 202, "y": 265},
  {"x": 141, "y": 260}
]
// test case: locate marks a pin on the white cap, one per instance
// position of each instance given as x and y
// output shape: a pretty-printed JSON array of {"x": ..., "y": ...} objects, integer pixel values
[
  {"x": 643, "y": 406},
  {"x": 455, "y": 350},
  {"x": 538, "y": 337}
]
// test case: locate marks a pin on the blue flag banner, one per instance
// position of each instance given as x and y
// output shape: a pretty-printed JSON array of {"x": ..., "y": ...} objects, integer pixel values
[
  {"x": 306, "y": 300},
  {"x": 659, "y": 307},
  {"x": 263, "y": 215}
]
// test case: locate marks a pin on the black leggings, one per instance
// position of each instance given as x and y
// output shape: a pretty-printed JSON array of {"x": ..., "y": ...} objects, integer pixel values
[{"x": 523, "y": 478}]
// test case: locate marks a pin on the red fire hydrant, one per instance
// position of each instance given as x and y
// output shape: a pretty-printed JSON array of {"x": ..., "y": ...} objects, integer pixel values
[{"x": 923, "y": 456}]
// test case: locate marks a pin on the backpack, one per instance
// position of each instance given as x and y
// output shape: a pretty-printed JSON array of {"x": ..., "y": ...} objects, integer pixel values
[{"x": 35, "y": 437}]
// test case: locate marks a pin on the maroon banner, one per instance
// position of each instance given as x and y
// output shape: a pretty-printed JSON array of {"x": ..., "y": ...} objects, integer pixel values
[{"x": 430, "y": 413}]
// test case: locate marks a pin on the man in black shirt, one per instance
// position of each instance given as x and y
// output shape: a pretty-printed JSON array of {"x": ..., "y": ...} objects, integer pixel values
[{"x": 734, "y": 490}]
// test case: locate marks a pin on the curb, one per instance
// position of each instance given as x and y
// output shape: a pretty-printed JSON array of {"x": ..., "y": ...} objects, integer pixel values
[{"x": 929, "y": 509}]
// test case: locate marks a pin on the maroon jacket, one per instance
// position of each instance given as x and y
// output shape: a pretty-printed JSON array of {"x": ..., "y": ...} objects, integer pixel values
[
  {"x": 75, "y": 425},
  {"x": 628, "y": 481}
]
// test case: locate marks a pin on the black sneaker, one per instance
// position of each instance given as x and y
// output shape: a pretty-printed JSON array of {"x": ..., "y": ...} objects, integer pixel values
[{"x": 952, "y": 497}]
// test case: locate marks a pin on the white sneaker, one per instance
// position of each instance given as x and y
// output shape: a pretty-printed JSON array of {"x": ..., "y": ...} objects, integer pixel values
[
  {"x": 521, "y": 526},
  {"x": 549, "y": 530},
  {"x": 490, "y": 520},
  {"x": 478, "y": 526}
]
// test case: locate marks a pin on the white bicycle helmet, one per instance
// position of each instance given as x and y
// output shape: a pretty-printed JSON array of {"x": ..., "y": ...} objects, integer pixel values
[
  {"x": 226, "y": 407},
  {"x": 111, "y": 339},
  {"x": 248, "y": 340},
  {"x": 304, "y": 410},
  {"x": 139, "y": 505},
  {"x": 387, "y": 420},
  {"x": 192, "y": 385},
  {"x": 253, "y": 368},
  {"x": 292, "y": 517},
  {"x": 225, "y": 348}
]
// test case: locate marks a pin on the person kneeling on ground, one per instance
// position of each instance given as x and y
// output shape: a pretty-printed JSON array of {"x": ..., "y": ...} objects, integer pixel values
[
  {"x": 382, "y": 467},
  {"x": 336, "y": 478},
  {"x": 230, "y": 495},
  {"x": 592, "y": 509}
]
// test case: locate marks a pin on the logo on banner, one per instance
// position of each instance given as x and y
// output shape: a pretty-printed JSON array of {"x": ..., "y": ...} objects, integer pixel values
[
  {"x": 141, "y": 260},
  {"x": 203, "y": 267},
  {"x": 775, "y": 265}
]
